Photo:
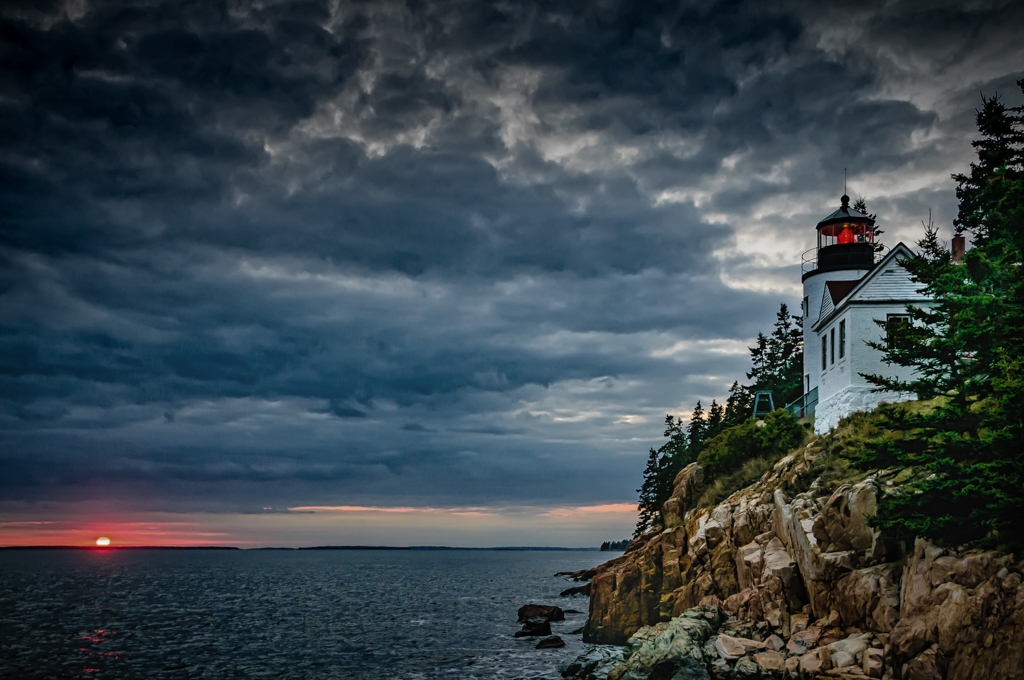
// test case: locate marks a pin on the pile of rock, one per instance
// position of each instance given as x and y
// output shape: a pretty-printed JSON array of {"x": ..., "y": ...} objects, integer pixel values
[
  {"x": 536, "y": 620},
  {"x": 704, "y": 642},
  {"x": 581, "y": 575},
  {"x": 763, "y": 557},
  {"x": 595, "y": 663},
  {"x": 814, "y": 651},
  {"x": 807, "y": 569}
]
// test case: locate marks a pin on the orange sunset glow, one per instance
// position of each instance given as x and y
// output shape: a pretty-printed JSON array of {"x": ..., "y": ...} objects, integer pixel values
[
  {"x": 161, "y": 530},
  {"x": 327, "y": 525}
]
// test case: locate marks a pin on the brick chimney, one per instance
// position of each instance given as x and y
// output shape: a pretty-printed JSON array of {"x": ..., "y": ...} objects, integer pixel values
[{"x": 958, "y": 249}]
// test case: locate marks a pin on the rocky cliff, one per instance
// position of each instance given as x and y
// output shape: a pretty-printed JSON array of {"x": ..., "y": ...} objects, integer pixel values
[{"x": 791, "y": 568}]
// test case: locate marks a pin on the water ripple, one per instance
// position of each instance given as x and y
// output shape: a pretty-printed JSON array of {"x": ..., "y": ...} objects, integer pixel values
[{"x": 280, "y": 614}]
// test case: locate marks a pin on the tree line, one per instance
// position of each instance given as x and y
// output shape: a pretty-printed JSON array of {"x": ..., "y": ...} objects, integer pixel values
[{"x": 716, "y": 435}]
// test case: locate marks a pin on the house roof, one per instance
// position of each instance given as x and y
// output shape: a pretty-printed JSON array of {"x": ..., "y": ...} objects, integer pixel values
[
  {"x": 904, "y": 294},
  {"x": 840, "y": 289}
]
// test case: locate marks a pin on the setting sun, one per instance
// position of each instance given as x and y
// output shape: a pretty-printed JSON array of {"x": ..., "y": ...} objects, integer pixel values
[{"x": 103, "y": 541}]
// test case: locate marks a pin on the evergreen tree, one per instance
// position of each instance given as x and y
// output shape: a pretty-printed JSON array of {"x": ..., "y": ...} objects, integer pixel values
[
  {"x": 967, "y": 350},
  {"x": 716, "y": 418},
  {"x": 663, "y": 464},
  {"x": 788, "y": 343},
  {"x": 860, "y": 205},
  {"x": 697, "y": 431},
  {"x": 777, "y": 359},
  {"x": 737, "y": 406},
  {"x": 648, "y": 510},
  {"x": 762, "y": 368}
]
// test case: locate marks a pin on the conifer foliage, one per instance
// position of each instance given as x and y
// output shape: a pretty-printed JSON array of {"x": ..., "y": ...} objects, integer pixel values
[
  {"x": 738, "y": 406},
  {"x": 778, "y": 358},
  {"x": 777, "y": 365},
  {"x": 860, "y": 205},
  {"x": 967, "y": 350},
  {"x": 684, "y": 443}
]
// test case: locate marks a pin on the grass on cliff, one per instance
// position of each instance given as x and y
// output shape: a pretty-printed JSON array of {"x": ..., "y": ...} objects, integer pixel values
[
  {"x": 723, "y": 487},
  {"x": 832, "y": 457},
  {"x": 742, "y": 454},
  {"x": 829, "y": 455}
]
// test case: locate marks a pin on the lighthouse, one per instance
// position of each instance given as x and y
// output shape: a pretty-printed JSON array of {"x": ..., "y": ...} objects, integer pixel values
[
  {"x": 845, "y": 253},
  {"x": 851, "y": 303}
]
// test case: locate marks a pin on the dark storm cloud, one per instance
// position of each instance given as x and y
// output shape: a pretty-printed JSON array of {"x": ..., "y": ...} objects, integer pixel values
[{"x": 464, "y": 253}]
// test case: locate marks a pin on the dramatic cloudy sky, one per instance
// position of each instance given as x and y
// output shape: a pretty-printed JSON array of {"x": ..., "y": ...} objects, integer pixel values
[{"x": 426, "y": 272}]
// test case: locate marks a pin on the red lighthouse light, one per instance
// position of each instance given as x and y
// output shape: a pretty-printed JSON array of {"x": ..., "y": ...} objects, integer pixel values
[{"x": 846, "y": 240}]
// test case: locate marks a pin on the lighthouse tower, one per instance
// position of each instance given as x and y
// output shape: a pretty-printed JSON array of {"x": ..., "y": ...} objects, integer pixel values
[{"x": 845, "y": 253}]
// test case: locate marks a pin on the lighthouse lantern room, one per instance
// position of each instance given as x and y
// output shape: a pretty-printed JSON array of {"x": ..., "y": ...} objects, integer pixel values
[{"x": 846, "y": 239}]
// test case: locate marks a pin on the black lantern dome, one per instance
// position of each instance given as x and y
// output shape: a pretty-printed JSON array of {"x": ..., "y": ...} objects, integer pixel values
[{"x": 846, "y": 240}]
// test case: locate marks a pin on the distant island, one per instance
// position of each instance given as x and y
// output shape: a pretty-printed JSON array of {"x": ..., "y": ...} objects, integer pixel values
[{"x": 619, "y": 546}]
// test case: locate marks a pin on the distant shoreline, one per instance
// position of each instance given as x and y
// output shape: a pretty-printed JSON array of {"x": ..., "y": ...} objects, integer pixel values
[{"x": 317, "y": 547}]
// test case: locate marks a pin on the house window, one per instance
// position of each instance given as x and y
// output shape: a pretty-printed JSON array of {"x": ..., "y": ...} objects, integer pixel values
[
  {"x": 895, "y": 325},
  {"x": 824, "y": 352},
  {"x": 832, "y": 334},
  {"x": 842, "y": 338},
  {"x": 807, "y": 307}
]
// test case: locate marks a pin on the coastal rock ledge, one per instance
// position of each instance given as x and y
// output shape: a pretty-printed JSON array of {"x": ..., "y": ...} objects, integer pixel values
[{"x": 771, "y": 585}]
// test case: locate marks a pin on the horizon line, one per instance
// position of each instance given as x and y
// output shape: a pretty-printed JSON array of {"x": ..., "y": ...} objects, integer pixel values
[{"x": 312, "y": 547}]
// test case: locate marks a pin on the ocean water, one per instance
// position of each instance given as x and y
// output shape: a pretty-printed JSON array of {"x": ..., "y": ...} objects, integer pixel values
[{"x": 282, "y": 614}]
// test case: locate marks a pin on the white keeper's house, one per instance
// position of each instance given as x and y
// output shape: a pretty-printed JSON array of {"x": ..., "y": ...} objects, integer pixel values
[{"x": 847, "y": 287}]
